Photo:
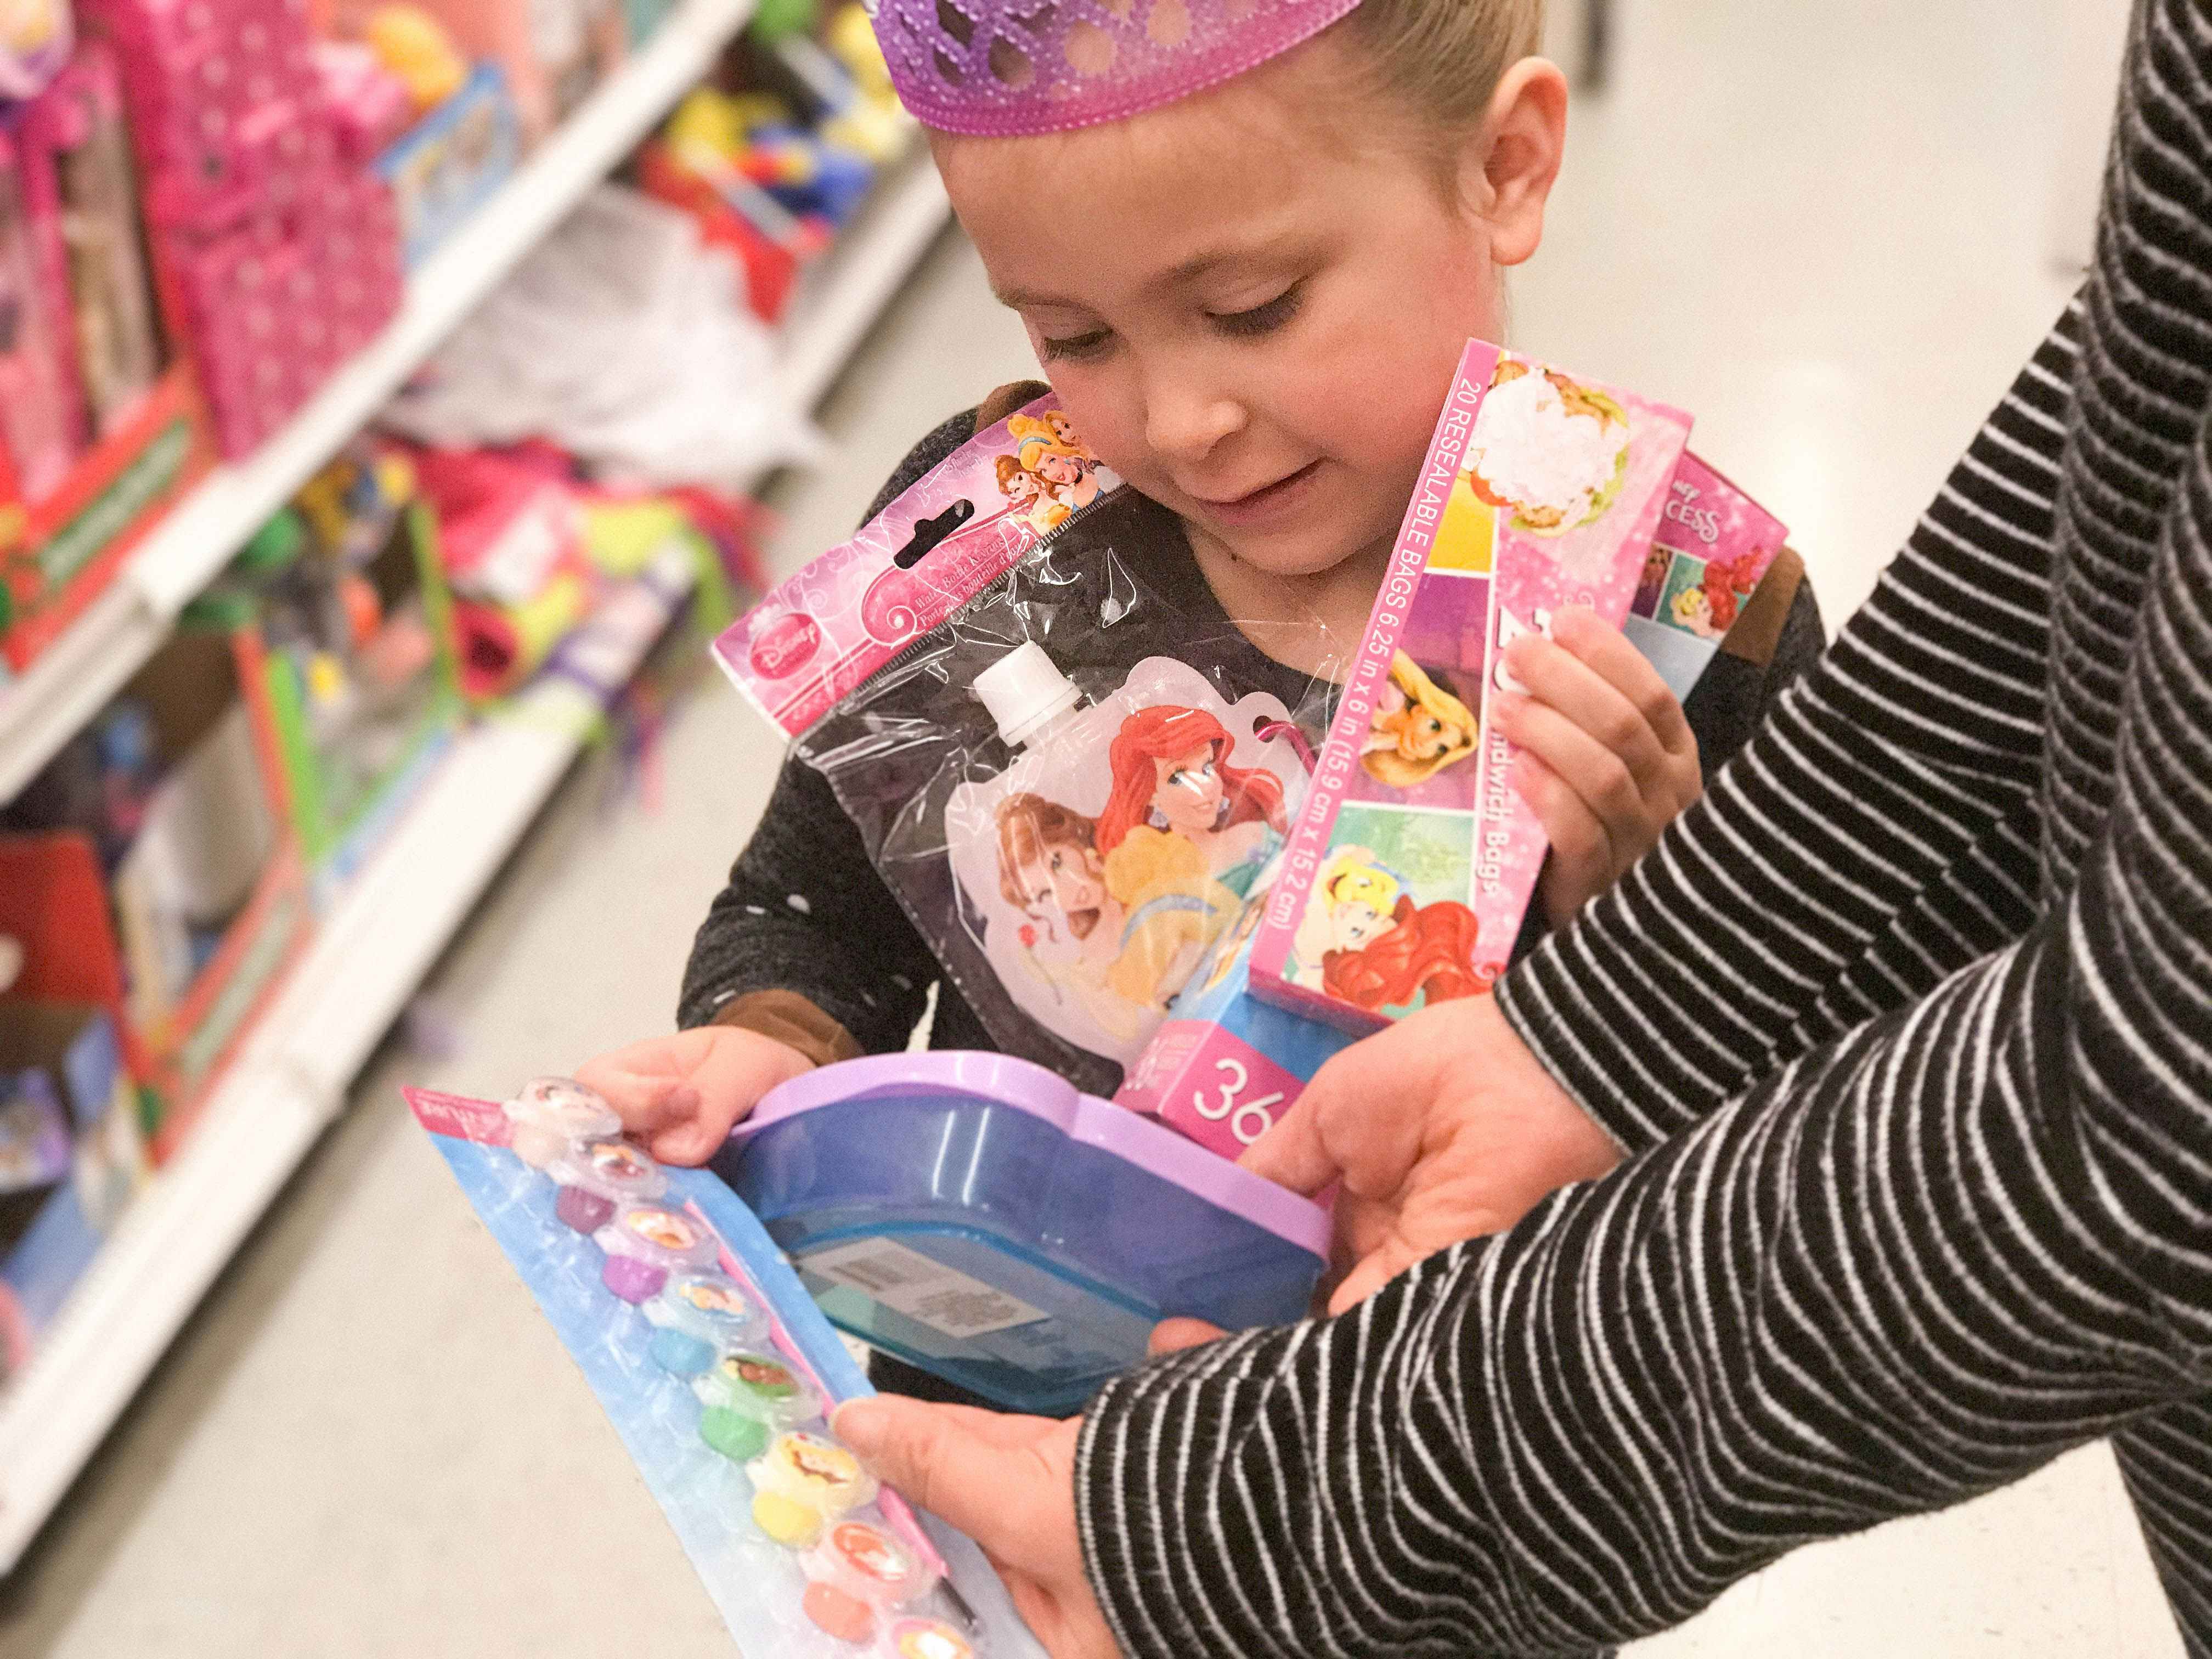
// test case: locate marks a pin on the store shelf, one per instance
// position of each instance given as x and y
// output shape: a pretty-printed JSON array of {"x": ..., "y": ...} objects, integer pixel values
[
  {"x": 106, "y": 646},
  {"x": 366, "y": 959}
]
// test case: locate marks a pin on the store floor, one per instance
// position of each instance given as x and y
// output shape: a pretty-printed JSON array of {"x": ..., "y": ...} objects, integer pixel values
[{"x": 1819, "y": 227}]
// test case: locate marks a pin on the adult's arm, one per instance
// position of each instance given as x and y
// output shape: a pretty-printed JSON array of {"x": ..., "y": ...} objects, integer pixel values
[
  {"x": 1904, "y": 1270},
  {"x": 1878, "y": 833}
]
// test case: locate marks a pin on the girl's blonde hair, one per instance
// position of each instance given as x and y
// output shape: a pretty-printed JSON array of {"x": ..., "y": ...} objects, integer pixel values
[{"x": 1440, "y": 60}]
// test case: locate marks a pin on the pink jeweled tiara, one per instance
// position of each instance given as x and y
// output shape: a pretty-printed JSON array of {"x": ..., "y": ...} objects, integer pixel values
[{"x": 1003, "y": 68}]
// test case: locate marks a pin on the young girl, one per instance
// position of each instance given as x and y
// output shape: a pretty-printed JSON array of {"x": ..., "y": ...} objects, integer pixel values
[{"x": 1294, "y": 215}]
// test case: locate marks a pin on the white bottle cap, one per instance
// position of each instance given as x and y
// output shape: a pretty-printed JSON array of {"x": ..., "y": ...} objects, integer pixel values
[{"x": 1024, "y": 691}]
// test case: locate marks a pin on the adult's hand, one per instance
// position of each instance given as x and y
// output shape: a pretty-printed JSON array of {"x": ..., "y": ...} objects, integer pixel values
[
  {"x": 1444, "y": 1127},
  {"x": 1008, "y": 1483}
]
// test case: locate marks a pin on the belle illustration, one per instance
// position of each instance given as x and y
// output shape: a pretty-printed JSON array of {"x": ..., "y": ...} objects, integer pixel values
[
  {"x": 1027, "y": 496},
  {"x": 1364, "y": 940},
  {"x": 1417, "y": 730},
  {"x": 1140, "y": 919}
]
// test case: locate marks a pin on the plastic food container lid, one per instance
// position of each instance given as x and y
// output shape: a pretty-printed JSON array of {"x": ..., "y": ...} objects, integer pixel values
[
  {"x": 759, "y": 1384},
  {"x": 976, "y": 1216},
  {"x": 813, "y": 1470}
]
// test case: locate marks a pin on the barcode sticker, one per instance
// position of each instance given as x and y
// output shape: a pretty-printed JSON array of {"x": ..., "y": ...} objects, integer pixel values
[{"x": 926, "y": 1291}]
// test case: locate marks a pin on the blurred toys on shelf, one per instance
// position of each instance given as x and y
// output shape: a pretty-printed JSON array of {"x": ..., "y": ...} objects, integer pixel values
[
  {"x": 372, "y": 104},
  {"x": 419, "y": 51},
  {"x": 173, "y": 789},
  {"x": 72, "y": 1151},
  {"x": 623, "y": 338},
  {"x": 284, "y": 255},
  {"x": 446, "y": 166},
  {"x": 338, "y": 616},
  {"x": 551, "y": 52},
  {"x": 772, "y": 170},
  {"x": 98, "y": 429},
  {"x": 34, "y": 44}
]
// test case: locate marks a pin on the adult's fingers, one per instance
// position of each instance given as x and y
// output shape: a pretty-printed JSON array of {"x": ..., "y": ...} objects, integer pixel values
[
  {"x": 1174, "y": 1335},
  {"x": 997, "y": 1487}
]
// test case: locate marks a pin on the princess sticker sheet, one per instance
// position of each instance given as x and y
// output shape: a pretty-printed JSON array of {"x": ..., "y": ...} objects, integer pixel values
[
  {"x": 946, "y": 539},
  {"x": 718, "y": 1372},
  {"x": 1539, "y": 490}
]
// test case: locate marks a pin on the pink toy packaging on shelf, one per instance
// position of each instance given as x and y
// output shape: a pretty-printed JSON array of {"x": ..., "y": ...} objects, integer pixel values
[
  {"x": 1409, "y": 869},
  {"x": 284, "y": 251},
  {"x": 40, "y": 402},
  {"x": 969, "y": 521},
  {"x": 77, "y": 170}
]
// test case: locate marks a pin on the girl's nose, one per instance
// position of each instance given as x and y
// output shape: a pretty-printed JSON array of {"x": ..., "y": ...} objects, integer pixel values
[{"x": 1185, "y": 420}]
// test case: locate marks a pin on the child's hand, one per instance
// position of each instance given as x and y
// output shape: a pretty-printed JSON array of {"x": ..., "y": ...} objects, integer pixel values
[
  {"x": 681, "y": 1094},
  {"x": 1607, "y": 761}
]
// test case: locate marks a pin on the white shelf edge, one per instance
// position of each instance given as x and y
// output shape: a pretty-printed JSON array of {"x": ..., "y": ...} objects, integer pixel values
[
  {"x": 368, "y": 955},
  {"x": 104, "y": 646}
]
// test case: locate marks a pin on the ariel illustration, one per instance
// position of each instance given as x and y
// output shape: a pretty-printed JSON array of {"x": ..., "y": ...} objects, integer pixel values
[
  {"x": 1710, "y": 608},
  {"x": 1547, "y": 449},
  {"x": 1172, "y": 777},
  {"x": 1417, "y": 730},
  {"x": 1364, "y": 940}
]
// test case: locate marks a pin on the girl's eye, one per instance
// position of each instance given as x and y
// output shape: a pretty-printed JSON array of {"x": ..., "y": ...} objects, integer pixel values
[
  {"x": 1262, "y": 319},
  {"x": 1074, "y": 348}
]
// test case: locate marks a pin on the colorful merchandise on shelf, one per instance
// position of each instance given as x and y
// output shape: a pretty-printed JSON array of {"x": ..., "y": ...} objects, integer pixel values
[
  {"x": 419, "y": 49},
  {"x": 41, "y": 424},
  {"x": 99, "y": 430},
  {"x": 62, "y": 1051},
  {"x": 371, "y": 104},
  {"x": 339, "y": 620},
  {"x": 62, "y": 1080},
  {"x": 284, "y": 257},
  {"x": 34, "y": 44},
  {"x": 1410, "y": 869},
  {"x": 77, "y": 169},
  {"x": 1714, "y": 548},
  {"x": 444, "y": 167},
  {"x": 551, "y": 53},
  {"x": 976, "y": 1216},
  {"x": 802, "y": 1553},
  {"x": 205, "y": 882},
  {"x": 511, "y": 528}
]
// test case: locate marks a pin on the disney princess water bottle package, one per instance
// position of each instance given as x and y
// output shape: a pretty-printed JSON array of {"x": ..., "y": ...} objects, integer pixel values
[
  {"x": 1070, "y": 779},
  {"x": 713, "y": 1365}
]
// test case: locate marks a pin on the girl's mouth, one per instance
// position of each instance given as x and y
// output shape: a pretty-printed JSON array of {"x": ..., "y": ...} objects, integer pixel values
[{"x": 1269, "y": 504}]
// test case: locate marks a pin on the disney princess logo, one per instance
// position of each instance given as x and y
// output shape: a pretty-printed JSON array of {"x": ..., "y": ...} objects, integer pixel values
[
  {"x": 786, "y": 645},
  {"x": 1703, "y": 522}
]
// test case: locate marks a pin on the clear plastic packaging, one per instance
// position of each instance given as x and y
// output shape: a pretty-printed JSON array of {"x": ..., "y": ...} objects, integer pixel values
[
  {"x": 1072, "y": 787},
  {"x": 804, "y": 1554}
]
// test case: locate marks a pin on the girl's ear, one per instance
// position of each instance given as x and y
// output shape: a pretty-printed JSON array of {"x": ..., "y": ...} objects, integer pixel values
[{"x": 1514, "y": 164}]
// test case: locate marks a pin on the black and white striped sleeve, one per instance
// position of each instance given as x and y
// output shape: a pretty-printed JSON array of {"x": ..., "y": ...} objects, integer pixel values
[
  {"x": 1904, "y": 1270},
  {"x": 1878, "y": 833}
]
